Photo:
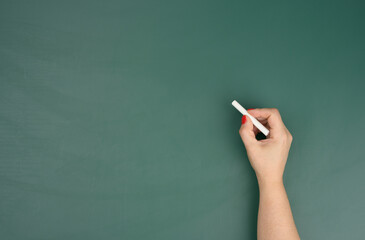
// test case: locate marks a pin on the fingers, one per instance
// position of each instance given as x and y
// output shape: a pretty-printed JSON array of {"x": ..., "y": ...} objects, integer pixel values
[
  {"x": 263, "y": 121},
  {"x": 247, "y": 132},
  {"x": 270, "y": 117}
]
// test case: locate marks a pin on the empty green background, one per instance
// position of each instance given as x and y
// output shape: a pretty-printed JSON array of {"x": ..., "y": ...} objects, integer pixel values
[{"x": 116, "y": 119}]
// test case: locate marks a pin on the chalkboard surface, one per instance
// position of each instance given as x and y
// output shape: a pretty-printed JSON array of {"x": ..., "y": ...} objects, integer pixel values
[{"x": 116, "y": 119}]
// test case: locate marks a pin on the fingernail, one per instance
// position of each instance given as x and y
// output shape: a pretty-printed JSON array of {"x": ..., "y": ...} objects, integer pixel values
[
  {"x": 243, "y": 120},
  {"x": 250, "y": 109}
]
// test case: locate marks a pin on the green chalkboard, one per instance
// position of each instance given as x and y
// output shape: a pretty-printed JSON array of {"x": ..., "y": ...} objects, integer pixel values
[{"x": 116, "y": 119}]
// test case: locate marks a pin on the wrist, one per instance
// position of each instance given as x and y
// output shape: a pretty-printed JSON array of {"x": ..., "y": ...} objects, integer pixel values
[{"x": 269, "y": 181}]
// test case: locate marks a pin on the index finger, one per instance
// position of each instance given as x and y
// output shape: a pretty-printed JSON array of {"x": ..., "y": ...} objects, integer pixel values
[{"x": 272, "y": 116}]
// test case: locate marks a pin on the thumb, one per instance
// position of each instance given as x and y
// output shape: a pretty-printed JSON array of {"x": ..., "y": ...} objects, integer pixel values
[{"x": 246, "y": 131}]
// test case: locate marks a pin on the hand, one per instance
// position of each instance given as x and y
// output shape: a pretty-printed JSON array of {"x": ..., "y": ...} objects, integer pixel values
[{"x": 267, "y": 157}]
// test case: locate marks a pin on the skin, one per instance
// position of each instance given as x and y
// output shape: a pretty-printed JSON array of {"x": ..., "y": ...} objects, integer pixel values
[{"x": 268, "y": 158}]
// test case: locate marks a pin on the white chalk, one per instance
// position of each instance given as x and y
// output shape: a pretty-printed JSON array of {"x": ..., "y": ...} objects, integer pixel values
[{"x": 261, "y": 127}]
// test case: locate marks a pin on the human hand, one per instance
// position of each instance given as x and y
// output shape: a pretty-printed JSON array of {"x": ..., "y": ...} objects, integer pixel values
[{"x": 267, "y": 157}]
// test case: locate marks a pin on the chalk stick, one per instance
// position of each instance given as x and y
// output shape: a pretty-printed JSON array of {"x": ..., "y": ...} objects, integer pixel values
[{"x": 242, "y": 110}]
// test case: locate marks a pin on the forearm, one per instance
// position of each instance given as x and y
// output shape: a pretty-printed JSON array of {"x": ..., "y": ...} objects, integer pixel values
[
  {"x": 268, "y": 158},
  {"x": 275, "y": 219}
]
